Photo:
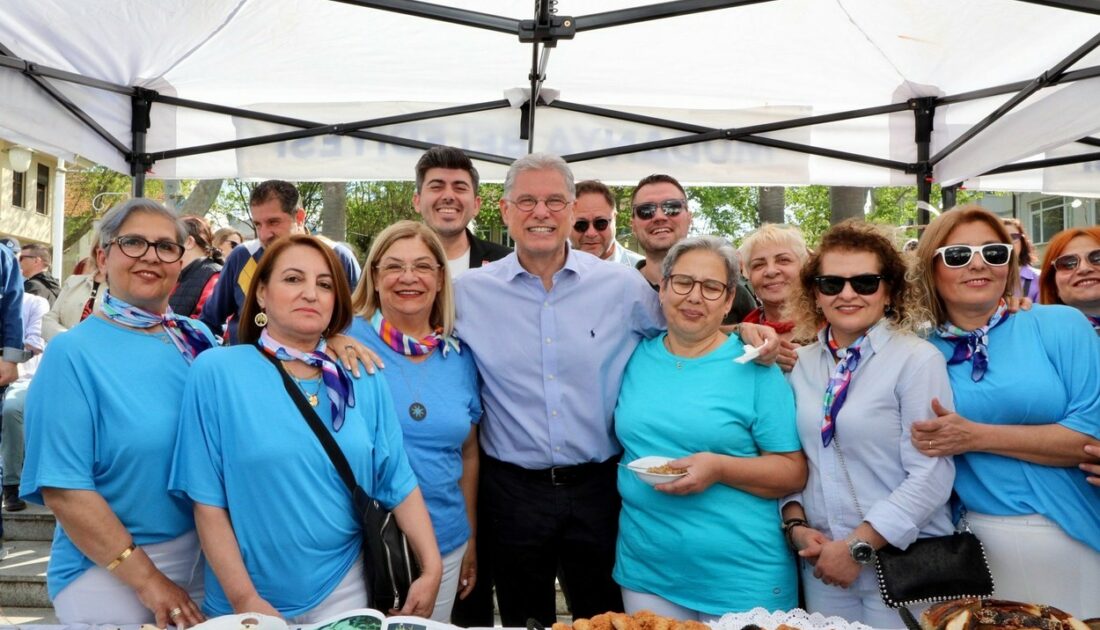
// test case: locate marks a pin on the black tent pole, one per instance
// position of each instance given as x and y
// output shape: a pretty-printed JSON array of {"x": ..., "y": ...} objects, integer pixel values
[
  {"x": 924, "y": 112},
  {"x": 140, "y": 105}
]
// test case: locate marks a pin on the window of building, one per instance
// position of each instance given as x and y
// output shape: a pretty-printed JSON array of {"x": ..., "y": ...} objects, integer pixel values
[
  {"x": 42, "y": 189},
  {"x": 1048, "y": 217},
  {"x": 18, "y": 187}
]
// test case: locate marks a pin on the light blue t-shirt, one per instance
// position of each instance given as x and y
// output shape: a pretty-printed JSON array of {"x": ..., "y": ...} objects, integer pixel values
[
  {"x": 1044, "y": 368},
  {"x": 448, "y": 389},
  {"x": 102, "y": 414},
  {"x": 720, "y": 550},
  {"x": 244, "y": 446}
]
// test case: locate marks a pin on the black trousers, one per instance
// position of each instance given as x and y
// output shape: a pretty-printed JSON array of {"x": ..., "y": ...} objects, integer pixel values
[
  {"x": 542, "y": 520},
  {"x": 476, "y": 611}
]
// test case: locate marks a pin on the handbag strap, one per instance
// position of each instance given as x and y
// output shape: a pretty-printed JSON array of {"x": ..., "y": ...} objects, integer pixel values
[
  {"x": 332, "y": 449},
  {"x": 847, "y": 477}
]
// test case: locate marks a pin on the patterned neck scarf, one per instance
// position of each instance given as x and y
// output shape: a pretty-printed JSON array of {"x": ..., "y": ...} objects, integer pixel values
[
  {"x": 1095, "y": 321},
  {"x": 341, "y": 394},
  {"x": 836, "y": 392},
  {"x": 189, "y": 338},
  {"x": 973, "y": 346},
  {"x": 411, "y": 346}
]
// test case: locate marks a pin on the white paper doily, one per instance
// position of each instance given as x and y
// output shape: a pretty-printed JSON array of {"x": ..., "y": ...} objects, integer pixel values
[{"x": 797, "y": 618}]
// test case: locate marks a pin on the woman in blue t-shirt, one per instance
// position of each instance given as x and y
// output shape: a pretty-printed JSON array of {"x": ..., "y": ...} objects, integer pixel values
[
  {"x": 276, "y": 522},
  {"x": 710, "y": 542},
  {"x": 1026, "y": 405},
  {"x": 101, "y": 419},
  {"x": 405, "y": 312}
]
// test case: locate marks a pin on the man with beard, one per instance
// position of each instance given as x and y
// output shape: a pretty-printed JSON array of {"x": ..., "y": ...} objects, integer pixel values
[
  {"x": 661, "y": 218},
  {"x": 446, "y": 196},
  {"x": 594, "y": 224}
]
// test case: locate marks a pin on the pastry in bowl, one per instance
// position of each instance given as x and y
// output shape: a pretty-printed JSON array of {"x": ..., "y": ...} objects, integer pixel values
[{"x": 972, "y": 613}]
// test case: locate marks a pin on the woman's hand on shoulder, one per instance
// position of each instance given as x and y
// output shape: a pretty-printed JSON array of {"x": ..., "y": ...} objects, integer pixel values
[
  {"x": 835, "y": 565},
  {"x": 945, "y": 435},
  {"x": 422, "y": 594},
  {"x": 703, "y": 470},
  {"x": 788, "y": 355},
  {"x": 1016, "y": 304},
  {"x": 163, "y": 597},
  {"x": 349, "y": 352},
  {"x": 757, "y": 335}
]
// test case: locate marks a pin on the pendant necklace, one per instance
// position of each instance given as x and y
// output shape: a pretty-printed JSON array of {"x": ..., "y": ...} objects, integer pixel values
[
  {"x": 314, "y": 397},
  {"x": 417, "y": 410}
]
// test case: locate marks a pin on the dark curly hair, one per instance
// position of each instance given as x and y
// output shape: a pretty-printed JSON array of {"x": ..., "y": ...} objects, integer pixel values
[{"x": 854, "y": 235}]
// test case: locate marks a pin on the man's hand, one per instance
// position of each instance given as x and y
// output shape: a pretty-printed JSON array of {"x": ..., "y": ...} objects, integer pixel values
[{"x": 9, "y": 372}]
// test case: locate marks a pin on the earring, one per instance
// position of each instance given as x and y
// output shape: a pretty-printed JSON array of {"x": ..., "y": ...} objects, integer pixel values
[
  {"x": 889, "y": 311},
  {"x": 260, "y": 319}
]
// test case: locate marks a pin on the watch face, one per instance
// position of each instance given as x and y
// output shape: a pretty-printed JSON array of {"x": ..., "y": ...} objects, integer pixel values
[{"x": 862, "y": 552}]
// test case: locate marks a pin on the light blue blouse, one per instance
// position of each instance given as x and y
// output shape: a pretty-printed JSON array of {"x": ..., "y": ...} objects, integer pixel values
[{"x": 244, "y": 446}]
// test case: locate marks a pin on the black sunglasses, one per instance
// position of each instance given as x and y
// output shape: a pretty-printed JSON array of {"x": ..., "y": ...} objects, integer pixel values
[
  {"x": 671, "y": 207},
  {"x": 1069, "y": 262},
  {"x": 994, "y": 254},
  {"x": 864, "y": 284},
  {"x": 582, "y": 225}
]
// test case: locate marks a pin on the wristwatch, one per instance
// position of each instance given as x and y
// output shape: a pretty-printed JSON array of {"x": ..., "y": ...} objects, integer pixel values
[{"x": 861, "y": 551}]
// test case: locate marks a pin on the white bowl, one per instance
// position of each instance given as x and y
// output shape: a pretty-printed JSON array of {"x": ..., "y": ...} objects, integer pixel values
[{"x": 640, "y": 465}]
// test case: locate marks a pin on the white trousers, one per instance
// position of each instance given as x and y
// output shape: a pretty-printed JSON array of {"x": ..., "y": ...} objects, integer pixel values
[
  {"x": 349, "y": 594},
  {"x": 1033, "y": 560},
  {"x": 860, "y": 602},
  {"x": 633, "y": 601},
  {"x": 448, "y": 587},
  {"x": 98, "y": 597}
]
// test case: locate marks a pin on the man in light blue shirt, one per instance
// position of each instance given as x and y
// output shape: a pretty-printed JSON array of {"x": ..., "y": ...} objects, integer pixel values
[{"x": 551, "y": 331}]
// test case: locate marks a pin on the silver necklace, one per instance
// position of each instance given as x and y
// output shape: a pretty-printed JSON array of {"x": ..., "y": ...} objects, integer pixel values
[{"x": 418, "y": 411}]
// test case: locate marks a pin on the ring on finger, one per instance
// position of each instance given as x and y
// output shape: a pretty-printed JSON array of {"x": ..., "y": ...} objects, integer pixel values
[
  {"x": 931, "y": 445},
  {"x": 175, "y": 612}
]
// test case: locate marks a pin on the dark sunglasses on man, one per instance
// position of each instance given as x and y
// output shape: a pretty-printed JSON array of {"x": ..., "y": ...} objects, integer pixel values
[
  {"x": 994, "y": 254},
  {"x": 1069, "y": 262},
  {"x": 600, "y": 224},
  {"x": 671, "y": 208},
  {"x": 865, "y": 284}
]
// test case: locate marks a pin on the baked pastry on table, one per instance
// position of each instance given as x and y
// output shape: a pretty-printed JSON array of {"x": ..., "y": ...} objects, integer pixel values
[
  {"x": 641, "y": 620},
  {"x": 972, "y": 613}
]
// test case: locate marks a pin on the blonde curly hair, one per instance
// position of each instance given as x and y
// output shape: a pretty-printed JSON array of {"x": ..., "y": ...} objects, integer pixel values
[{"x": 904, "y": 310}]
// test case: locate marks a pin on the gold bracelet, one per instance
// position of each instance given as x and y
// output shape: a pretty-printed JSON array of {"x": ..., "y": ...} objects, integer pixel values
[{"x": 122, "y": 557}]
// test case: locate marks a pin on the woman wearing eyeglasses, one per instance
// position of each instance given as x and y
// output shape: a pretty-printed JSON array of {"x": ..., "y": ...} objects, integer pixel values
[
  {"x": 101, "y": 419},
  {"x": 858, "y": 389},
  {"x": 1026, "y": 404},
  {"x": 1071, "y": 272},
  {"x": 405, "y": 312},
  {"x": 683, "y": 547}
]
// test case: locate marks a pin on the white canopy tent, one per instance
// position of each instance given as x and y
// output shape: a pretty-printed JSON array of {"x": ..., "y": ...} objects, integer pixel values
[{"x": 785, "y": 92}]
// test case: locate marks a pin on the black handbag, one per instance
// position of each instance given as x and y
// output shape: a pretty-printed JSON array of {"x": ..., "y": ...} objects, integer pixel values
[
  {"x": 389, "y": 566},
  {"x": 933, "y": 569}
]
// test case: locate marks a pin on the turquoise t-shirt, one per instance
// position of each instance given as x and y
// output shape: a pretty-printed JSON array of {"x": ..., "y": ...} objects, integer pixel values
[
  {"x": 102, "y": 414},
  {"x": 1044, "y": 368},
  {"x": 720, "y": 550},
  {"x": 244, "y": 446},
  {"x": 448, "y": 389}
]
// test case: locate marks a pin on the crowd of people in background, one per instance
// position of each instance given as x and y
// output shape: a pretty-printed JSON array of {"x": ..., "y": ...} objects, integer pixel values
[{"x": 487, "y": 396}]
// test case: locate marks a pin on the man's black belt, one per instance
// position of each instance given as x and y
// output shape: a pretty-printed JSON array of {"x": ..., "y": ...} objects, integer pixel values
[{"x": 557, "y": 475}]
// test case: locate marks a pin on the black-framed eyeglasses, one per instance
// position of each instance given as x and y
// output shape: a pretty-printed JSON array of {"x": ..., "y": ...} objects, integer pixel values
[
  {"x": 135, "y": 246},
  {"x": 527, "y": 203},
  {"x": 232, "y": 244},
  {"x": 671, "y": 208},
  {"x": 683, "y": 284},
  {"x": 994, "y": 254},
  {"x": 600, "y": 224},
  {"x": 863, "y": 284},
  {"x": 1069, "y": 262}
]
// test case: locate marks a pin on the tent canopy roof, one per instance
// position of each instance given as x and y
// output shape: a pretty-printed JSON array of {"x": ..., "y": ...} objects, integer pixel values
[{"x": 705, "y": 74}]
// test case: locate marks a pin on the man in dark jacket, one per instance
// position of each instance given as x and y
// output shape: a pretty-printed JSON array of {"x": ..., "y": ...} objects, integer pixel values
[
  {"x": 446, "y": 196},
  {"x": 34, "y": 261}
]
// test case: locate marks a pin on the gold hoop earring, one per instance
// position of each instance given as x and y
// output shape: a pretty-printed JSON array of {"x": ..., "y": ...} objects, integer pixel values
[{"x": 260, "y": 319}]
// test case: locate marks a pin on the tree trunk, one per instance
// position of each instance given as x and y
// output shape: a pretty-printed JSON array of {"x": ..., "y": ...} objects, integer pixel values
[
  {"x": 846, "y": 202},
  {"x": 202, "y": 198},
  {"x": 770, "y": 204},
  {"x": 334, "y": 210}
]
